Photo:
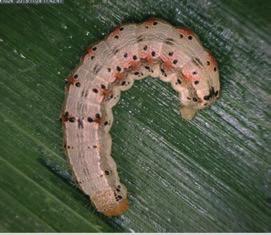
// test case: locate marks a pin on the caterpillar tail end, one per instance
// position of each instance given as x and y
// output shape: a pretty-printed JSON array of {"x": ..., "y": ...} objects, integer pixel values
[
  {"x": 118, "y": 210},
  {"x": 188, "y": 113}
]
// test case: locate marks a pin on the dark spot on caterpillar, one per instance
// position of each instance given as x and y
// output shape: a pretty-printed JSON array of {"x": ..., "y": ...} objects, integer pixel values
[
  {"x": 97, "y": 115},
  {"x": 123, "y": 83},
  {"x": 169, "y": 43},
  {"x": 190, "y": 37},
  {"x": 82, "y": 93},
  {"x": 121, "y": 28},
  {"x": 109, "y": 69},
  {"x": 153, "y": 53},
  {"x": 188, "y": 98},
  {"x": 181, "y": 36},
  {"x": 170, "y": 39},
  {"x": 125, "y": 55},
  {"x": 68, "y": 146},
  {"x": 163, "y": 72},
  {"x": 71, "y": 119},
  {"x": 170, "y": 53},
  {"x": 194, "y": 73},
  {"x": 106, "y": 172},
  {"x": 145, "y": 47},
  {"x": 65, "y": 117},
  {"x": 95, "y": 90},
  {"x": 216, "y": 93},
  {"x": 117, "y": 189},
  {"x": 77, "y": 84},
  {"x": 103, "y": 86},
  {"x": 118, "y": 68},
  {"x": 147, "y": 67},
  {"x": 205, "y": 104},
  {"x": 106, "y": 123},
  {"x": 119, "y": 186},
  {"x": 75, "y": 76},
  {"x": 208, "y": 63},
  {"x": 136, "y": 73},
  {"x": 197, "y": 62},
  {"x": 115, "y": 51},
  {"x": 118, "y": 197},
  {"x": 146, "y": 26},
  {"x": 195, "y": 99},
  {"x": 90, "y": 119},
  {"x": 139, "y": 38},
  {"x": 94, "y": 48},
  {"x": 212, "y": 91},
  {"x": 207, "y": 97},
  {"x": 92, "y": 57},
  {"x": 214, "y": 68},
  {"x": 155, "y": 23},
  {"x": 179, "y": 81},
  {"x": 175, "y": 61},
  {"x": 196, "y": 82},
  {"x": 94, "y": 146},
  {"x": 134, "y": 57},
  {"x": 117, "y": 37},
  {"x": 80, "y": 123},
  {"x": 97, "y": 68},
  {"x": 181, "y": 74}
]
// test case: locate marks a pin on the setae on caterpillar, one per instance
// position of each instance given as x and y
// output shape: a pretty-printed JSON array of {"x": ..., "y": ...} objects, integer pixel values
[{"x": 131, "y": 52}]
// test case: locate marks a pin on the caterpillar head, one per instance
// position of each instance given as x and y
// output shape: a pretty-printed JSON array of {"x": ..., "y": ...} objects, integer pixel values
[{"x": 201, "y": 85}]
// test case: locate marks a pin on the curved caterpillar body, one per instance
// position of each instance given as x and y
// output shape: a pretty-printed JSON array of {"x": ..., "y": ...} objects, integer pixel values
[{"x": 131, "y": 52}]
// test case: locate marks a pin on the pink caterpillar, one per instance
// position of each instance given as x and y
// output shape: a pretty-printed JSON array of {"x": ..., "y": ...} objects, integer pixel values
[{"x": 131, "y": 52}]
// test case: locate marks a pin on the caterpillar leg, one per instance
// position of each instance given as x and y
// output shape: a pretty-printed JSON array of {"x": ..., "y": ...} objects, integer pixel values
[{"x": 187, "y": 112}]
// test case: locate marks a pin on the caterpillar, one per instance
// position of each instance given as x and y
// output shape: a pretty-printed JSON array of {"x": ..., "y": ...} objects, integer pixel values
[{"x": 131, "y": 52}]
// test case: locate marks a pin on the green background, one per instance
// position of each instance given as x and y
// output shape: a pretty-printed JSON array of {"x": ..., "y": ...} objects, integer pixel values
[{"x": 212, "y": 174}]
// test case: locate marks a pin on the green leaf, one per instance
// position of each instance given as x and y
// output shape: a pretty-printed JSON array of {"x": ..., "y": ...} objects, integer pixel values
[{"x": 212, "y": 174}]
